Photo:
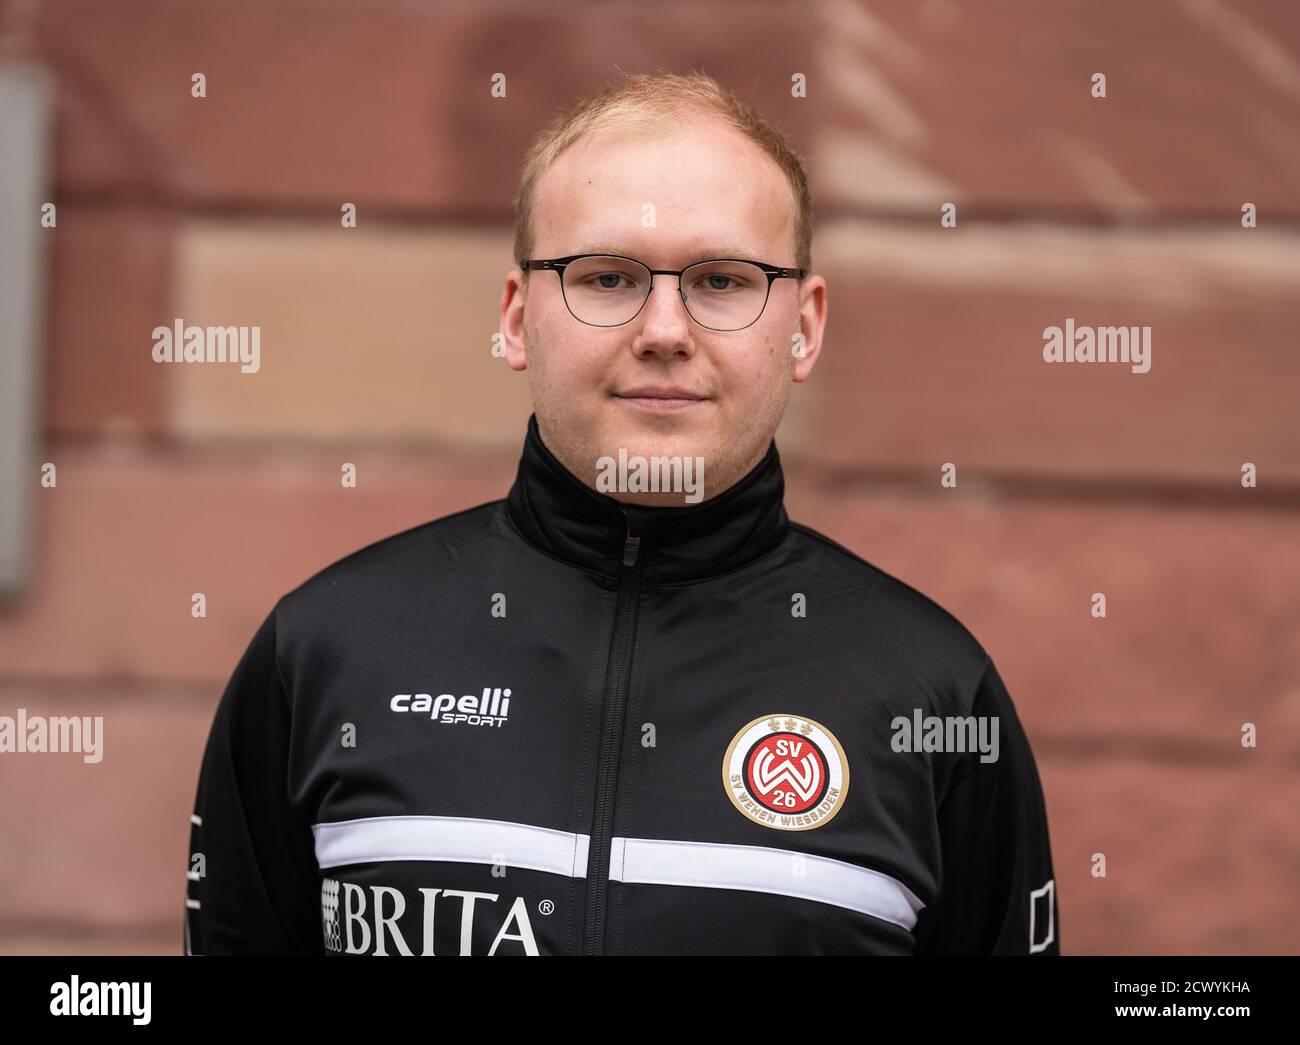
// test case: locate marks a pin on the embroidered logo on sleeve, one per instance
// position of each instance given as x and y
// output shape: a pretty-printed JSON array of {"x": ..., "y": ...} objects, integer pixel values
[{"x": 1044, "y": 925}]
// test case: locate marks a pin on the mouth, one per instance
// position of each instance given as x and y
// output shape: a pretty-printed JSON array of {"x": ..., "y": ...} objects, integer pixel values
[{"x": 661, "y": 400}]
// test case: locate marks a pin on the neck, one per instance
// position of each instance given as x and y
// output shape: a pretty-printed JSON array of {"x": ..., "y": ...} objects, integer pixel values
[
  {"x": 573, "y": 521},
  {"x": 656, "y": 482}
]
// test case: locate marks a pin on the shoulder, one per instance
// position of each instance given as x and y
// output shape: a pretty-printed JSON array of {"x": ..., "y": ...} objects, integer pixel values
[
  {"x": 889, "y": 617},
  {"x": 390, "y": 571}
]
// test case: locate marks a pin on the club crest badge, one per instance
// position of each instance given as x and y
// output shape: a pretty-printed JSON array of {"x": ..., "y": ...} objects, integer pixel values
[{"x": 786, "y": 772}]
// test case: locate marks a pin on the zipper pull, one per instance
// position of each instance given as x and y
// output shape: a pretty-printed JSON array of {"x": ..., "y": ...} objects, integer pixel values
[{"x": 631, "y": 545}]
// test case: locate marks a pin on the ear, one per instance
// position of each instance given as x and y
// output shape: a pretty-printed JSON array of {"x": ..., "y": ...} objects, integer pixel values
[
  {"x": 513, "y": 300},
  {"x": 812, "y": 326}
]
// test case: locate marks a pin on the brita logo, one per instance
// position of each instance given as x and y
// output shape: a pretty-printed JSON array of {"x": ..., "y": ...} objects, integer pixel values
[
  {"x": 356, "y": 923},
  {"x": 489, "y": 709}
]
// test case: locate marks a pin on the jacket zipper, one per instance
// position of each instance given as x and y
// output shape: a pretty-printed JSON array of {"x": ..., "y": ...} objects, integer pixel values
[{"x": 611, "y": 744}]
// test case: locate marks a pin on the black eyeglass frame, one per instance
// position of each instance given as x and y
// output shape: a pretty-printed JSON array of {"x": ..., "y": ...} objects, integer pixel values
[{"x": 558, "y": 265}]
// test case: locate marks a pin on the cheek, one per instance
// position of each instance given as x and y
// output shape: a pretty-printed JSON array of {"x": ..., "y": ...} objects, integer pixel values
[
  {"x": 773, "y": 356},
  {"x": 564, "y": 358},
  {"x": 753, "y": 377}
]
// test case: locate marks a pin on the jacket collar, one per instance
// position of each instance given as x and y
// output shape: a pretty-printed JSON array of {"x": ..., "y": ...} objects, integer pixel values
[{"x": 564, "y": 517}]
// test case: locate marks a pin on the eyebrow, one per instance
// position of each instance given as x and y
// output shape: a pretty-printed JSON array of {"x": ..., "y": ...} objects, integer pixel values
[{"x": 705, "y": 254}]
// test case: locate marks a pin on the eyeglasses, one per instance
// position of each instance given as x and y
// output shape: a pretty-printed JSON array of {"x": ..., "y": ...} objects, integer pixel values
[{"x": 608, "y": 290}]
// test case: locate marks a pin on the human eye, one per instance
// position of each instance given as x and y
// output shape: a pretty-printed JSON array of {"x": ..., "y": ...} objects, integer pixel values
[
  {"x": 608, "y": 280},
  {"x": 602, "y": 274},
  {"x": 719, "y": 281},
  {"x": 723, "y": 278}
]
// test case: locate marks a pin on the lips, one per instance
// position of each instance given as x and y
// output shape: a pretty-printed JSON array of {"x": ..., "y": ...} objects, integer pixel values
[
  {"x": 659, "y": 399},
  {"x": 655, "y": 392}
]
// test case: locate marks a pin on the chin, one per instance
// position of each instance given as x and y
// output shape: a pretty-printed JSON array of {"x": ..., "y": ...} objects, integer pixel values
[{"x": 658, "y": 439}]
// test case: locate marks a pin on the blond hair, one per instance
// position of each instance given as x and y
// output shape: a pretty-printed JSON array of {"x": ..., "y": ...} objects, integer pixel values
[{"x": 658, "y": 99}]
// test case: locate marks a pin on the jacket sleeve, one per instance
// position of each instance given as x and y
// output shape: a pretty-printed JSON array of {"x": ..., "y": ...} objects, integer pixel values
[
  {"x": 998, "y": 892},
  {"x": 254, "y": 885}
]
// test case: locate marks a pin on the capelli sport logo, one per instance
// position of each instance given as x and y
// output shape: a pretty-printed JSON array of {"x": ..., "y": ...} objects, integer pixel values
[
  {"x": 786, "y": 772},
  {"x": 491, "y": 708}
]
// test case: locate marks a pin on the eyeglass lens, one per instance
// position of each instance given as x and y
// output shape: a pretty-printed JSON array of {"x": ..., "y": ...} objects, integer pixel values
[{"x": 609, "y": 291}]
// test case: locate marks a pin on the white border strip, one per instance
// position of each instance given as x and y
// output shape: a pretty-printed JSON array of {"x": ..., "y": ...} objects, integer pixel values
[
  {"x": 650, "y": 861},
  {"x": 640, "y": 861},
  {"x": 456, "y": 839}
]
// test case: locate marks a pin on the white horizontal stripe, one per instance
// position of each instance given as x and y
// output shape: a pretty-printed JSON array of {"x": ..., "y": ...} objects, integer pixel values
[
  {"x": 641, "y": 861},
  {"x": 455, "y": 839},
  {"x": 753, "y": 868}
]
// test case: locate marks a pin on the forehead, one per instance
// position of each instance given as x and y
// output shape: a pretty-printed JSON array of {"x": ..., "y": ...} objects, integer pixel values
[{"x": 666, "y": 196}]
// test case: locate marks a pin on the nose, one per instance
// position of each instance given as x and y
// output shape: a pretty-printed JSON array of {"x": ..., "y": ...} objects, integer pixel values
[{"x": 665, "y": 324}]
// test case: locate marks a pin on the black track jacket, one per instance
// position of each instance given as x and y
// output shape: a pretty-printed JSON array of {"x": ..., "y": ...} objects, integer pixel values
[{"x": 555, "y": 724}]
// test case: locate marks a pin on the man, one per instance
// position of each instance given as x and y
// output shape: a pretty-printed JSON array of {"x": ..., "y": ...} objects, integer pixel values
[{"x": 631, "y": 708}]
